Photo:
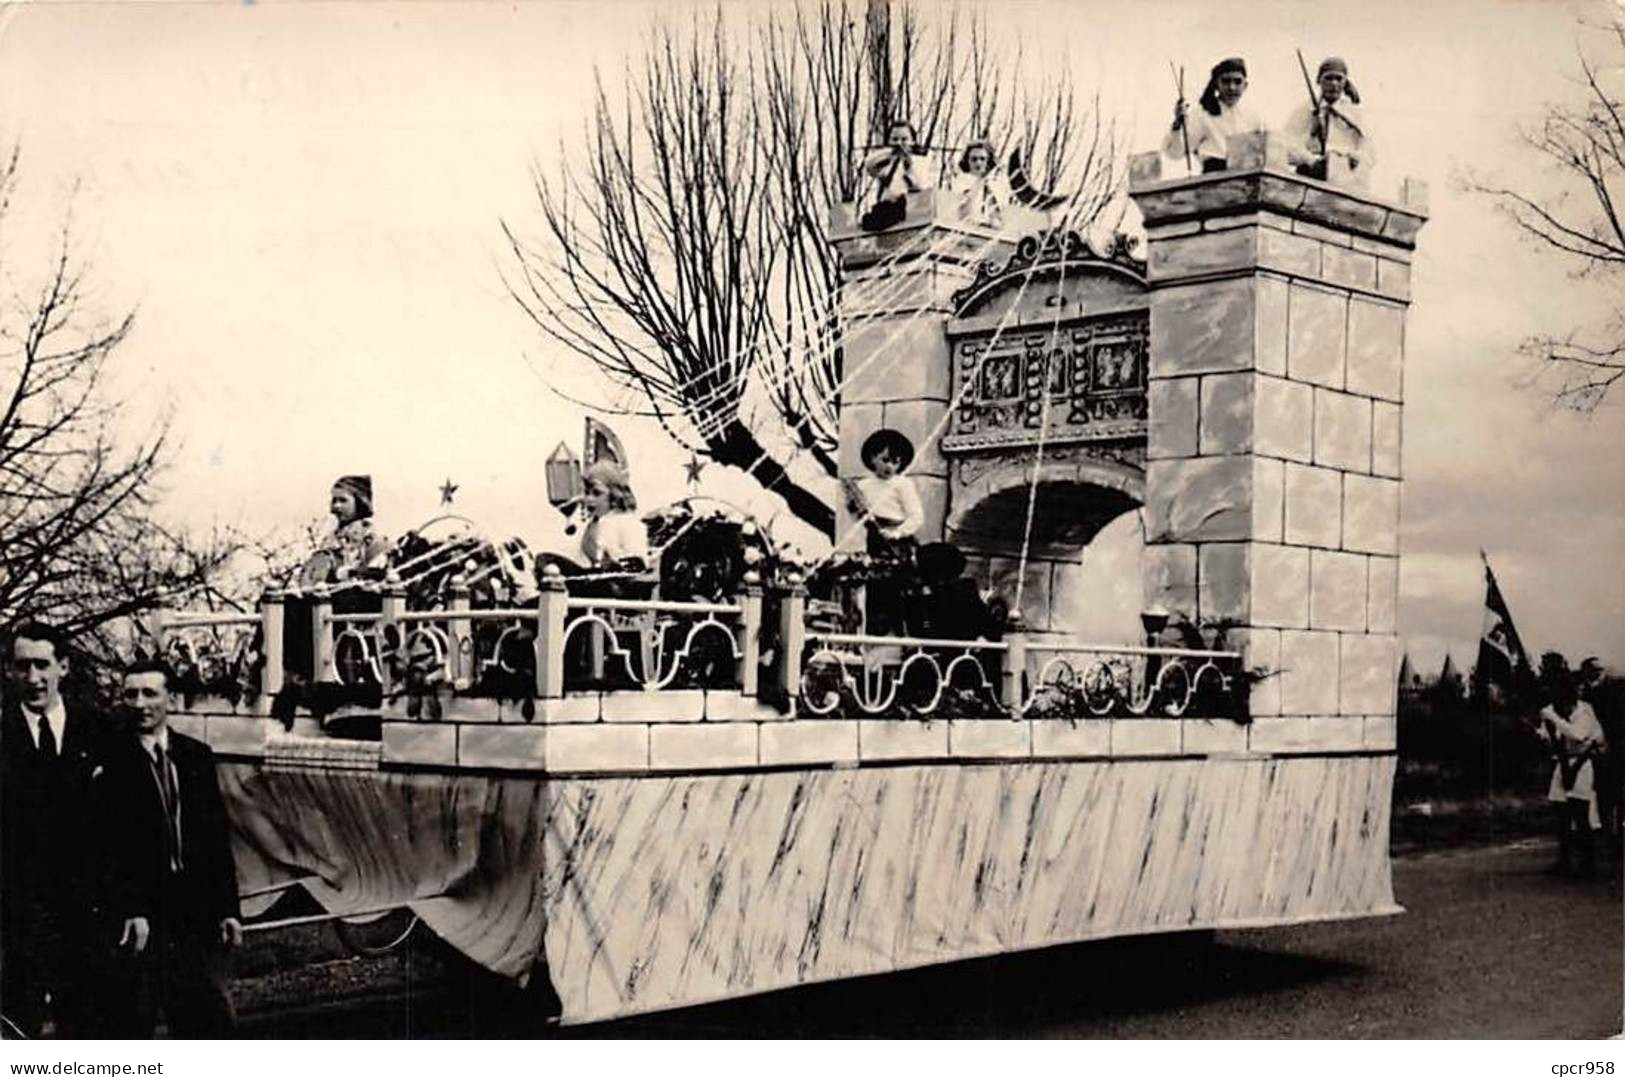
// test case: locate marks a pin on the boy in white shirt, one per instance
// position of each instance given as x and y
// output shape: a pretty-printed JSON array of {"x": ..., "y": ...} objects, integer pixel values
[
  {"x": 889, "y": 506},
  {"x": 887, "y": 499},
  {"x": 1336, "y": 128},
  {"x": 1205, "y": 134},
  {"x": 1569, "y": 728}
]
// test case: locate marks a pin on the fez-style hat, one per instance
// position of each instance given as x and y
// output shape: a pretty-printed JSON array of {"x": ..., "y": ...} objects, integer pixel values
[
  {"x": 358, "y": 487},
  {"x": 886, "y": 439}
]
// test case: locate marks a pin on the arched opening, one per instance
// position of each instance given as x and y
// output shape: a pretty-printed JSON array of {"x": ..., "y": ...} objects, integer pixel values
[{"x": 1081, "y": 574}]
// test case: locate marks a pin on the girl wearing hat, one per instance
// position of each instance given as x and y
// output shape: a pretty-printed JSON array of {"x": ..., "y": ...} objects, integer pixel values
[
  {"x": 1335, "y": 129},
  {"x": 1221, "y": 117},
  {"x": 353, "y": 545}
]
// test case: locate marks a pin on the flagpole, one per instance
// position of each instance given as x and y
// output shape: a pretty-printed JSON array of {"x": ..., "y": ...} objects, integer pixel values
[{"x": 1499, "y": 637}]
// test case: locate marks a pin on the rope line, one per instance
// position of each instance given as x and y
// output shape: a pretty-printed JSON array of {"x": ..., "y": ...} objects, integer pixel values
[
  {"x": 1043, "y": 434},
  {"x": 947, "y": 415},
  {"x": 892, "y": 356},
  {"x": 896, "y": 286}
]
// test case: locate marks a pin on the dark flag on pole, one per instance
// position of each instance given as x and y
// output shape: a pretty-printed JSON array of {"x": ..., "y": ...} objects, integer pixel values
[{"x": 1503, "y": 666}]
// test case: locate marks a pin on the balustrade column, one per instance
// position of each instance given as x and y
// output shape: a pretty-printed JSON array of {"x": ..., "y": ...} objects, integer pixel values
[
  {"x": 1015, "y": 664},
  {"x": 458, "y": 636},
  {"x": 394, "y": 604},
  {"x": 271, "y": 616},
  {"x": 750, "y": 633},
  {"x": 551, "y": 606},
  {"x": 792, "y": 634},
  {"x": 158, "y": 626},
  {"x": 321, "y": 638}
]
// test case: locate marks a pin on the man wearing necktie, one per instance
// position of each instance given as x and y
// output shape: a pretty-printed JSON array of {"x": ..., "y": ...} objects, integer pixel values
[
  {"x": 49, "y": 759},
  {"x": 172, "y": 875}
]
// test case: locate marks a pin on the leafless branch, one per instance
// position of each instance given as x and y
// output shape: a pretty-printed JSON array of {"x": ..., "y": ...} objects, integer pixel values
[{"x": 1583, "y": 143}]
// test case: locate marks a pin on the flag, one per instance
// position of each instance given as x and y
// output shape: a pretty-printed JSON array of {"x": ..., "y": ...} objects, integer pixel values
[
  {"x": 1503, "y": 664},
  {"x": 602, "y": 444}
]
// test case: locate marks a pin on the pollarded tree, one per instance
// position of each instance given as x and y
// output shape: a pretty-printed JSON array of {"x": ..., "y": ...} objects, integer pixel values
[{"x": 685, "y": 253}]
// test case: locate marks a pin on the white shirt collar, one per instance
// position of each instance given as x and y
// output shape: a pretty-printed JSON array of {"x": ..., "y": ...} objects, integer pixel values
[
  {"x": 58, "y": 714},
  {"x": 160, "y": 738}
]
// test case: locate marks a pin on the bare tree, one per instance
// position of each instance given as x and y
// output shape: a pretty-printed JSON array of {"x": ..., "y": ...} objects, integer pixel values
[
  {"x": 686, "y": 253},
  {"x": 1585, "y": 146},
  {"x": 79, "y": 542}
]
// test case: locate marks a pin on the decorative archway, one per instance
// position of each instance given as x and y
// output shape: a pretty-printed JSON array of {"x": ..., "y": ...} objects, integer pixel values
[{"x": 1046, "y": 443}]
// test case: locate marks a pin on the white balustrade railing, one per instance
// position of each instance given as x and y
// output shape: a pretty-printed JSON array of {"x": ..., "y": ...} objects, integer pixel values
[
  {"x": 652, "y": 642},
  {"x": 1036, "y": 677},
  {"x": 565, "y": 641},
  {"x": 875, "y": 672},
  {"x": 209, "y": 651},
  {"x": 1090, "y": 680}
]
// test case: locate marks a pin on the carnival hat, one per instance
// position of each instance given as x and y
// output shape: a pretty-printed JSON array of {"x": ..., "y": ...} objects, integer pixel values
[
  {"x": 886, "y": 439},
  {"x": 1210, "y": 95},
  {"x": 1341, "y": 66},
  {"x": 358, "y": 487}
]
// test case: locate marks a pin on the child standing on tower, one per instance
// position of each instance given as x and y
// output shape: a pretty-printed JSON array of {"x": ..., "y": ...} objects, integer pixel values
[{"x": 889, "y": 505}]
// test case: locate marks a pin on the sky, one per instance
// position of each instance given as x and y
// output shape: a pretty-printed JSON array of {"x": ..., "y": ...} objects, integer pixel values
[{"x": 302, "y": 203}]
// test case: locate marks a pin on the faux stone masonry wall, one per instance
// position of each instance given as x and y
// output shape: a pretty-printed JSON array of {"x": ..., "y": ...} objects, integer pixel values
[{"x": 1273, "y": 483}]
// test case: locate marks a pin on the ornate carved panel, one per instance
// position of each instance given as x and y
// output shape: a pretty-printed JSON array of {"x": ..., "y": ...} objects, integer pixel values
[
  {"x": 1126, "y": 455},
  {"x": 1082, "y": 379}
]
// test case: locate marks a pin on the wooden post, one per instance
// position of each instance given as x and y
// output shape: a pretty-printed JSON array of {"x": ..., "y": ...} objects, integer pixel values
[
  {"x": 1015, "y": 663},
  {"x": 459, "y": 634},
  {"x": 551, "y": 605},
  {"x": 394, "y": 605},
  {"x": 750, "y": 642},
  {"x": 792, "y": 634},
  {"x": 271, "y": 614},
  {"x": 321, "y": 636}
]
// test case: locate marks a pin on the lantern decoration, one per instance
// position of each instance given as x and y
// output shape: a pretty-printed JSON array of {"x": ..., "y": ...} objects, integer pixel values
[{"x": 563, "y": 471}]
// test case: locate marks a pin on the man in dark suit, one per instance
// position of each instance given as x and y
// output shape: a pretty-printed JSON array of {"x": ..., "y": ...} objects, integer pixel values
[
  {"x": 50, "y": 756},
  {"x": 171, "y": 871}
]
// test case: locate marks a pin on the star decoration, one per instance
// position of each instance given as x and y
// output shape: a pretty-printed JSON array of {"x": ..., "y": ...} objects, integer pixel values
[
  {"x": 448, "y": 490},
  {"x": 694, "y": 466}
]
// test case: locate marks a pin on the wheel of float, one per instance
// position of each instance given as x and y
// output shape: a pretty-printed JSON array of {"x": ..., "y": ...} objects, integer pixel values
[{"x": 375, "y": 934}]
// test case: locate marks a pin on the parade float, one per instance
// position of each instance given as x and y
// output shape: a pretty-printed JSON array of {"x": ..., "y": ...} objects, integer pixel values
[{"x": 714, "y": 780}]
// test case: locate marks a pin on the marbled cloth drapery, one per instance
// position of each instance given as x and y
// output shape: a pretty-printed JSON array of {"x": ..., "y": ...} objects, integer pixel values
[
  {"x": 464, "y": 852},
  {"x": 673, "y": 891},
  {"x": 656, "y": 891}
]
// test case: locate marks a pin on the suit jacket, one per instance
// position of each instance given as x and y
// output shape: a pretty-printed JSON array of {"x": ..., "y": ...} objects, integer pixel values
[
  {"x": 204, "y": 892},
  {"x": 49, "y": 840}
]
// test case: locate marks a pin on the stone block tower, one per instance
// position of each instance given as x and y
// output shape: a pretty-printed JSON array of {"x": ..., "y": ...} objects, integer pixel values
[{"x": 1277, "y": 343}]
